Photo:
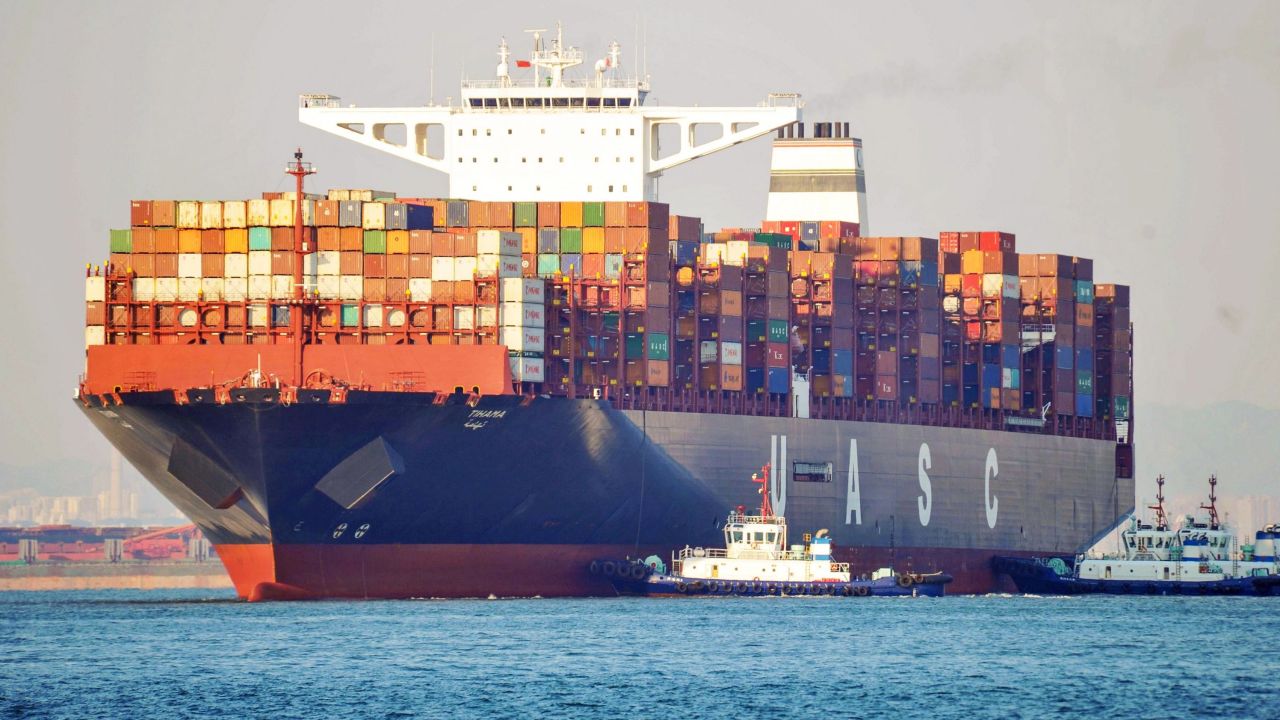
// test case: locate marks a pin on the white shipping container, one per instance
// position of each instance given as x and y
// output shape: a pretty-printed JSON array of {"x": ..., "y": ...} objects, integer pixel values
[
  {"x": 189, "y": 265},
  {"x": 497, "y": 242},
  {"x": 731, "y": 353},
  {"x": 259, "y": 315},
  {"x": 497, "y": 266},
  {"x": 486, "y": 316},
  {"x": 442, "y": 269},
  {"x": 211, "y": 288},
  {"x": 235, "y": 265},
  {"x": 528, "y": 290},
  {"x": 259, "y": 262},
  {"x": 233, "y": 214},
  {"x": 523, "y": 339},
  {"x": 351, "y": 287},
  {"x": 327, "y": 287},
  {"x": 95, "y": 289},
  {"x": 514, "y": 314},
  {"x": 464, "y": 317},
  {"x": 325, "y": 263},
  {"x": 1012, "y": 290},
  {"x": 187, "y": 317},
  {"x": 189, "y": 289},
  {"x": 373, "y": 316},
  {"x": 259, "y": 287},
  {"x": 188, "y": 215},
  {"x": 735, "y": 252},
  {"x": 464, "y": 268},
  {"x": 395, "y": 317},
  {"x": 144, "y": 289},
  {"x": 95, "y": 335},
  {"x": 211, "y": 215},
  {"x": 235, "y": 289},
  {"x": 715, "y": 253},
  {"x": 258, "y": 212},
  {"x": 419, "y": 289},
  {"x": 339, "y": 195},
  {"x": 166, "y": 289},
  {"x": 281, "y": 287},
  {"x": 709, "y": 351},
  {"x": 374, "y": 216},
  {"x": 525, "y": 369},
  {"x": 282, "y": 212}
]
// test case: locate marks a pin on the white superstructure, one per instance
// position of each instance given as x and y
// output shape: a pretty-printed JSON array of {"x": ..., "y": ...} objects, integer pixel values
[
  {"x": 535, "y": 133},
  {"x": 819, "y": 177},
  {"x": 756, "y": 549}
]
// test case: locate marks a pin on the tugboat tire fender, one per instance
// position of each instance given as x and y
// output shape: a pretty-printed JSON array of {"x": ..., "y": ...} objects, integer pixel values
[
  {"x": 862, "y": 591},
  {"x": 906, "y": 581},
  {"x": 846, "y": 591},
  {"x": 609, "y": 568},
  {"x": 595, "y": 567}
]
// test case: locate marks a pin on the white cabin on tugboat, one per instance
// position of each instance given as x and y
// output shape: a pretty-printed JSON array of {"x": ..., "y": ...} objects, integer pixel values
[{"x": 756, "y": 550}]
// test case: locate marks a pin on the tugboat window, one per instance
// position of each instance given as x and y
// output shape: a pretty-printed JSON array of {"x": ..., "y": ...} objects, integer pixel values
[{"x": 811, "y": 472}]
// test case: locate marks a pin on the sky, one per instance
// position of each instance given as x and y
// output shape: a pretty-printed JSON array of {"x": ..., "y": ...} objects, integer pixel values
[{"x": 1141, "y": 134}]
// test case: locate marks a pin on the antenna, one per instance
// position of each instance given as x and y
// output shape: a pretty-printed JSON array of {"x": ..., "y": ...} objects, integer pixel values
[
  {"x": 1212, "y": 507},
  {"x": 1162, "y": 520}
]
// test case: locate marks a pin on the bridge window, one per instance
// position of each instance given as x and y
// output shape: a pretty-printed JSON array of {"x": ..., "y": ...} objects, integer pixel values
[
  {"x": 473, "y": 132},
  {"x": 560, "y": 102},
  {"x": 488, "y": 132},
  {"x": 633, "y": 131},
  {"x": 609, "y": 102},
  {"x": 811, "y": 472},
  {"x": 576, "y": 102},
  {"x": 475, "y": 102},
  {"x": 624, "y": 188},
  {"x": 459, "y": 132},
  {"x": 624, "y": 102},
  {"x": 610, "y": 188},
  {"x": 593, "y": 102}
]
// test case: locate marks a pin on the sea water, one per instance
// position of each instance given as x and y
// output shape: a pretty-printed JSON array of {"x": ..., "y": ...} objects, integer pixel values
[{"x": 171, "y": 654}]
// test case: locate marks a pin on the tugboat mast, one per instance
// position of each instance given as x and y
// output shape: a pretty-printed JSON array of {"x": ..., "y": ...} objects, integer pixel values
[
  {"x": 1162, "y": 520},
  {"x": 1212, "y": 507}
]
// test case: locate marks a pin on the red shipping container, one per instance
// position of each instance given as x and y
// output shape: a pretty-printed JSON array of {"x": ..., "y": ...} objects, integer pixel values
[
  {"x": 398, "y": 266},
  {"x": 464, "y": 291},
  {"x": 162, "y": 213},
  {"x": 593, "y": 266},
  {"x": 140, "y": 213},
  {"x": 548, "y": 214},
  {"x": 351, "y": 239},
  {"x": 442, "y": 244},
  {"x": 351, "y": 263},
  {"x": 282, "y": 238},
  {"x": 969, "y": 241},
  {"x": 375, "y": 266},
  {"x": 886, "y": 387},
  {"x": 144, "y": 240},
  {"x": 949, "y": 242},
  {"x": 996, "y": 241},
  {"x": 328, "y": 239},
  {"x": 654, "y": 215},
  {"x": 211, "y": 265},
  {"x": 166, "y": 265},
  {"x": 420, "y": 242},
  {"x": 465, "y": 245},
  {"x": 166, "y": 240}
]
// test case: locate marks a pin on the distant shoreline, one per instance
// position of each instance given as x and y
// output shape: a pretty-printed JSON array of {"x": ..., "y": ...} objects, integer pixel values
[{"x": 45, "y": 576}]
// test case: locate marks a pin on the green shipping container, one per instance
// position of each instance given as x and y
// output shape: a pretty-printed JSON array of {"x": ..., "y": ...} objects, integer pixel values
[
  {"x": 259, "y": 238},
  {"x": 1084, "y": 291},
  {"x": 1084, "y": 382},
  {"x": 593, "y": 214},
  {"x": 757, "y": 331},
  {"x": 121, "y": 241},
  {"x": 375, "y": 242},
  {"x": 610, "y": 322},
  {"x": 778, "y": 331},
  {"x": 570, "y": 240},
  {"x": 350, "y": 315},
  {"x": 659, "y": 346},
  {"x": 634, "y": 346},
  {"x": 526, "y": 214},
  {"x": 548, "y": 264},
  {"x": 1122, "y": 407},
  {"x": 777, "y": 240}
]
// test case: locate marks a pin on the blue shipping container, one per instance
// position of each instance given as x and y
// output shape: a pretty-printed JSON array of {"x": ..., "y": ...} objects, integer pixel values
[
  {"x": 1084, "y": 406},
  {"x": 419, "y": 217},
  {"x": 685, "y": 252},
  {"x": 1011, "y": 356},
  {"x": 754, "y": 379},
  {"x": 779, "y": 380},
  {"x": 929, "y": 273},
  {"x": 842, "y": 362},
  {"x": 970, "y": 373},
  {"x": 909, "y": 273},
  {"x": 822, "y": 361},
  {"x": 809, "y": 231},
  {"x": 950, "y": 394},
  {"x": 1064, "y": 358},
  {"x": 991, "y": 354},
  {"x": 571, "y": 263},
  {"x": 991, "y": 376},
  {"x": 970, "y": 395},
  {"x": 1084, "y": 359}
]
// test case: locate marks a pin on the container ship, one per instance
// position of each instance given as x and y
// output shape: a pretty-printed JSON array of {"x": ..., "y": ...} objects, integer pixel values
[{"x": 362, "y": 395}]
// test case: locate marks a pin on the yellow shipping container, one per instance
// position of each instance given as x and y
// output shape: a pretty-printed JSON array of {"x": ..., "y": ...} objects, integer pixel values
[
  {"x": 282, "y": 213},
  {"x": 571, "y": 215},
  {"x": 397, "y": 242},
  {"x": 233, "y": 214},
  {"x": 189, "y": 241},
  {"x": 592, "y": 239},
  {"x": 259, "y": 212},
  {"x": 189, "y": 214},
  {"x": 971, "y": 262},
  {"x": 951, "y": 283},
  {"x": 528, "y": 240},
  {"x": 236, "y": 240}
]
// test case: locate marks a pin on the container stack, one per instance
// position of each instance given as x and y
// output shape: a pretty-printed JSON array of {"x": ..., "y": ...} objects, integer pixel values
[
  {"x": 989, "y": 352},
  {"x": 646, "y": 315},
  {"x": 522, "y": 319},
  {"x": 720, "y": 325},
  {"x": 1051, "y": 299},
  {"x": 821, "y": 236},
  {"x": 766, "y": 353},
  {"x": 1113, "y": 352},
  {"x": 822, "y": 292},
  {"x": 1082, "y": 287}
]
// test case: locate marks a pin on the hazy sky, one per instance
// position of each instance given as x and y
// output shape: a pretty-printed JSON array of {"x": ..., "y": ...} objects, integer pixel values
[{"x": 1142, "y": 134}]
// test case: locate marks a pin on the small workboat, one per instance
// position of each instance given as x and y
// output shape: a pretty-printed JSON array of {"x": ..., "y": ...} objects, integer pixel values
[{"x": 756, "y": 560}]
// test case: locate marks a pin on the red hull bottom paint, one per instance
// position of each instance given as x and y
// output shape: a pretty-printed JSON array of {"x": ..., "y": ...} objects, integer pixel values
[
  {"x": 971, "y": 568},
  {"x": 298, "y": 572}
]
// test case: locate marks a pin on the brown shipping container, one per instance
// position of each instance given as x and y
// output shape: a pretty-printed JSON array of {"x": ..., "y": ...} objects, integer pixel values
[
  {"x": 465, "y": 245},
  {"x": 1084, "y": 315},
  {"x": 375, "y": 266},
  {"x": 420, "y": 265},
  {"x": 327, "y": 212},
  {"x": 329, "y": 239},
  {"x": 140, "y": 214},
  {"x": 212, "y": 265},
  {"x": 398, "y": 266},
  {"x": 548, "y": 214},
  {"x": 162, "y": 213},
  {"x": 281, "y": 262},
  {"x": 397, "y": 289},
  {"x": 282, "y": 238},
  {"x": 420, "y": 242},
  {"x": 351, "y": 239},
  {"x": 144, "y": 264},
  {"x": 375, "y": 289},
  {"x": 166, "y": 265},
  {"x": 1050, "y": 265},
  {"x": 351, "y": 263},
  {"x": 211, "y": 241},
  {"x": 95, "y": 313}
]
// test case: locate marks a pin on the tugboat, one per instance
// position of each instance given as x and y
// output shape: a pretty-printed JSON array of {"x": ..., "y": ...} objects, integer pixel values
[
  {"x": 756, "y": 560},
  {"x": 1200, "y": 558}
]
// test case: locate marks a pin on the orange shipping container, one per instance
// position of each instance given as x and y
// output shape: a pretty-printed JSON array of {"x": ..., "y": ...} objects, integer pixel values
[
  {"x": 375, "y": 266},
  {"x": 615, "y": 240},
  {"x": 211, "y": 241},
  {"x": 731, "y": 377},
  {"x": 731, "y": 303},
  {"x": 375, "y": 289},
  {"x": 615, "y": 214},
  {"x": 889, "y": 248},
  {"x": 420, "y": 265},
  {"x": 548, "y": 214},
  {"x": 397, "y": 289},
  {"x": 144, "y": 240},
  {"x": 162, "y": 213},
  {"x": 327, "y": 212},
  {"x": 328, "y": 239},
  {"x": 351, "y": 239},
  {"x": 478, "y": 214},
  {"x": 236, "y": 240},
  {"x": 211, "y": 265},
  {"x": 139, "y": 216},
  {"x": 398, "y": 266},
  {"x": 144, "y": 264},
  {"x": 636, "y": 240},
  {"x": 657, "y": 373},
  {"x": 351, "y": 263},
  {"x": 571, "y": 215},
  {"x": 281, "y": 262},
  {"x": 501, "y": 215},
  {"x": 188, "y": 241},
  {"x": 166, "y": 265},
  {"x": 528, "y": 240}
]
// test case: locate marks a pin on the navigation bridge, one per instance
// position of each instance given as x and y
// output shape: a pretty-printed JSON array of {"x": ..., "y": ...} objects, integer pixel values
[{"x": 539, "y": 134}]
